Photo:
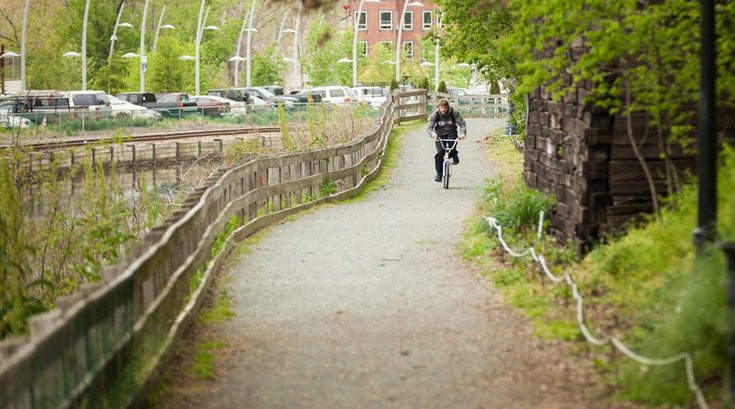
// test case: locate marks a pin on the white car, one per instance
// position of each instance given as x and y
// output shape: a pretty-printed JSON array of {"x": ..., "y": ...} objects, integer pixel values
[
  {"x": 336, "y": 94},
  {"x": 375, "y": 96},
  {"x": 124, "y": 109},
  {"x": 95, "y": 102},
  {"x": 14, "y": 121}
]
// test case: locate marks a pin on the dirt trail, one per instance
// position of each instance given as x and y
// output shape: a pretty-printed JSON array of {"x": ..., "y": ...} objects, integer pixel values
[{"x": 369, "y": 305}]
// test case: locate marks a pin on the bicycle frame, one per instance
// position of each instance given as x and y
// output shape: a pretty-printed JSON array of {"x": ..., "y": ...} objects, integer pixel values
[{"x": 448, "y": 145}]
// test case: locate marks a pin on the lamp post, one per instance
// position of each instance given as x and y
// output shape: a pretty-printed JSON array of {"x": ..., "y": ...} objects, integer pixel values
[
  {"x": 249, "y": 38},
  {"x": 280, "y": 30},
  {"x": 159, "y": 27},
  {"x": 200, "y": 24},
  {"x": 237, "y": 59},
  {"x": 199, "y": 33},
  {"x": 297, "y": 77},
  {"x": 400, "y": 32},
  {"x": 354, "y": 40},
  {"x": 143, "y": 59},
  {"x": 83, "y": 55},
  {"x": 114, "y": 30},
  {"x": 436, "y": 54}
]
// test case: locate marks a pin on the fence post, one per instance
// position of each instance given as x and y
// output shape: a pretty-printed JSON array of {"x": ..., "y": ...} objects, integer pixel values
[{"x": 729, "y": 249}]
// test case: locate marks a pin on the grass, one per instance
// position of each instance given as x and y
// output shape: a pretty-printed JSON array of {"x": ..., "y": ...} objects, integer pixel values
[
  {"x": 220, "y": 311},
  {"x": 204, "y": 359},
  {"x": 645, "y": 286}
]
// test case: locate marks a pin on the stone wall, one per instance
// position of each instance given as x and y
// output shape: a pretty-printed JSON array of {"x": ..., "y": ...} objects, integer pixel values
[{"x": 583, "y": 157}]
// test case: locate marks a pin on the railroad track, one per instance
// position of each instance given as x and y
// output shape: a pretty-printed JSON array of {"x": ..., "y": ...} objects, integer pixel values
[{"x": 153, "y": 137}]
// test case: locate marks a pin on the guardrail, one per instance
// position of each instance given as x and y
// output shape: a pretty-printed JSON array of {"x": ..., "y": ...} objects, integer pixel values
[{"x": 104, "y": 343}]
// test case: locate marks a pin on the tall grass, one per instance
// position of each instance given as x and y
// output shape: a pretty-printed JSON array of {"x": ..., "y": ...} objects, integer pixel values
[{"x": 59, "y": 232}]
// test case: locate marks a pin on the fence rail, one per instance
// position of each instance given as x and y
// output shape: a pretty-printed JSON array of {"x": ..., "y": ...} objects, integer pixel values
[
  {"x": 103, "y": 344},
  {"x": 474, "y": 106}
]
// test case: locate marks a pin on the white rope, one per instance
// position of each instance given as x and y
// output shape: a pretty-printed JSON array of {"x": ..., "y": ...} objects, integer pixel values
[{"x": 539, "y": 258}]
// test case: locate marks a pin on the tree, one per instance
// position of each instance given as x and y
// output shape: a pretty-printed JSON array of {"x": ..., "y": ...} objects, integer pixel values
[
  {"x": 268, "y": 66},
  {"x": 165, "y": 71},
  {"x": 376, "y": 71},
  {"x": 443, "y": 87}
]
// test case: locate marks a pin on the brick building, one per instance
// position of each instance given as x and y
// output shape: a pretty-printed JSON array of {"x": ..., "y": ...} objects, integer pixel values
[{"x": 378, "y": 25}]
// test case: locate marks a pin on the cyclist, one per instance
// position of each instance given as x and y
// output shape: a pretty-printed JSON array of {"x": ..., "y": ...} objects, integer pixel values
[{"x": 443, "y": 124}]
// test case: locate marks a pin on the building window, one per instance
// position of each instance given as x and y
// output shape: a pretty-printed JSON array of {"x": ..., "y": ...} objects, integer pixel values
[
  {"x": 386, "y": 20},
  {"x": 361, "y": 17},
  {"x": 387, "y": 44},
  {"x": 427, "y": 20},
  {"x": 408, "y": 20},
  {"x": 408, "y": 50},
  {"x": 362, "y": 48}
]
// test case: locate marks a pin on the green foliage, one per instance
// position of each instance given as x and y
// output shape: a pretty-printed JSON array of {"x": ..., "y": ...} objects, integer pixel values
[
  {"x": 288, "y": 144},
  {"x": 203, "y": 366},
  {"x": 243, "y": 150},
  {"x": 328, "y": 187},
  {"x": 375, "y": 70},
  {"x": 324, "y": 46},
  {"x": 472, "y": 33},
  {"x": 424, "y": 84},
  {"x": 518, "y": 207},
  {"x": 443, "y": 87},
  {"x": 165, "y": 71},
  {"x": 233, "y": 223},
  {"x": 219, "y": 312},
  {"x": 268, "y": 66}
]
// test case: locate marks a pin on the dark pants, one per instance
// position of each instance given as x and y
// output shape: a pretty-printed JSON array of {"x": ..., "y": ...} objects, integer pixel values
[{"x": 439, "y": 157}]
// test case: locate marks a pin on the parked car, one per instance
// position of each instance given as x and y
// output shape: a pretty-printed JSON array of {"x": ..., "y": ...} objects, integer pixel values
[
  {"x": 307, "y": 96},
  {"x": 236, "y": 107},
  {"x": 14, "y": 121},
  {"x": 37, "y": 105},
  {"x": 457, "y": 92},
  {"x": 211, "y": 105},
  {"x": 173, "y": 108},
  {"x": 375, "y": 96},
  {"x": 275, "y": 89},
  {"x": 124, "y": 109},
  {"x": 95, "y": 102},
  {"x": 235, "y": 94},
  {"x": 336, "y": 94},
  {"x": 266, "y": 95}
]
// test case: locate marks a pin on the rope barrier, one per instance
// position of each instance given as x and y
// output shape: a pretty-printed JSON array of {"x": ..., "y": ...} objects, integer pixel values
[{"x": 566, "y": 277}]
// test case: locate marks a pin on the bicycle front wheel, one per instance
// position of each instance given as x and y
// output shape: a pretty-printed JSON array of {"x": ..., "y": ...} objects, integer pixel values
[{"x": 447, "y": 166}]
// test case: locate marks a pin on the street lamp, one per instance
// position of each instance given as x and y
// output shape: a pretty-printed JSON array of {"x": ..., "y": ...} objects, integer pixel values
[
  {"x": 295, "y": 58},
  {"x": 159, "y": 27},
  {"x": 83, "y": 54},
  {"x": 143, "y": 58},
  {"x": 114, "y": 30},
  {"x": 400, "y": 32},
  {"x": 436, "y": 53},
  {"x": 200, "y": 32},
  {"x": 249, "y": 18},
  {"x": 354, "y": 40}
]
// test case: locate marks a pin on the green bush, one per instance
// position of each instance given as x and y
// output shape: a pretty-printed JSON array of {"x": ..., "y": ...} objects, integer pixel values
[{"x": 517, "y": 208}]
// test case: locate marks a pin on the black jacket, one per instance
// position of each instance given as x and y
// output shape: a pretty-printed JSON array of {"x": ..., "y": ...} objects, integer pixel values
[{"x": 446, "y": 125}]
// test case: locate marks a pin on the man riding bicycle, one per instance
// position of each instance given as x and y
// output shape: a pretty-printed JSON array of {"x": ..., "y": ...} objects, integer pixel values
[{"x": 443, "y": 124}]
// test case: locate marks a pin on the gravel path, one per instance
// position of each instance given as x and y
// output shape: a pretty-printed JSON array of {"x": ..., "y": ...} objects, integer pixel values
[{"x": 369, "y": 305}]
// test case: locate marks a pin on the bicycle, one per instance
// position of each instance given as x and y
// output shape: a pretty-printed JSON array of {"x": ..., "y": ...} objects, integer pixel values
[{"x": 448, "y": 145}]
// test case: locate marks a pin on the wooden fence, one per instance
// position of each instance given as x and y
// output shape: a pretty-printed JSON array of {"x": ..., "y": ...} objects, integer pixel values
[{"x": 103, "y": 345}]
